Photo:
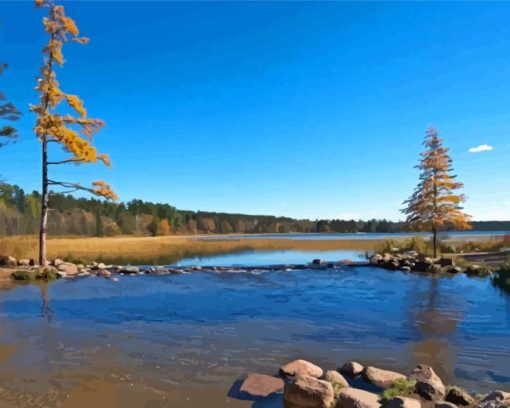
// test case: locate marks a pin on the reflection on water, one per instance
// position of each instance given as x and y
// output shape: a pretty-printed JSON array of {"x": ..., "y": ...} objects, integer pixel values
[{"x": 184, "y": 339}]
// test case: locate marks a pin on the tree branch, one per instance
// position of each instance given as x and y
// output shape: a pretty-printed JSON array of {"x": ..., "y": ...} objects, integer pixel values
[{"x": 67, "y": 161}]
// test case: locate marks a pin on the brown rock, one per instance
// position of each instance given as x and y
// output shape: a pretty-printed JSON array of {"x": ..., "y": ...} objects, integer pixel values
[
  {"x": 68, "y": 268},
  {"x": 352, "y": 369},
  {"x": 336, "y": 379},
  {"x": 308, "y": 392},
  {"x": 459, "y": 397},
  {"x": 354, "y": 398},
  {"x": 8, "y": 261},
  {"x": 403, "y": 402},
  {"x": 261, "y": 386},
  {"x": 382, "y": 378},
  {"x": 428, "y": 384},
  {"x": 302, "y": 368}
]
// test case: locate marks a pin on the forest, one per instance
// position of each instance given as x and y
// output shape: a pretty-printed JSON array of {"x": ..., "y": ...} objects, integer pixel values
[{"x": 68, "y": 215}]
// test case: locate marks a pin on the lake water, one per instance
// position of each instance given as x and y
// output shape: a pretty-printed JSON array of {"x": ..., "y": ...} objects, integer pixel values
[{"x": 183, "y": 340}]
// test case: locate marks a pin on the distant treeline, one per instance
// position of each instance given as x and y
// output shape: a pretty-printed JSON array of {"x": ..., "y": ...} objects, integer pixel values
[{"x": 19, "y": 214}]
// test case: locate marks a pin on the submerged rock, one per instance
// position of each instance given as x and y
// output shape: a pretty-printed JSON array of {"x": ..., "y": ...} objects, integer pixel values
[
  {"x": 308, "y": 392},
  {"x": 261, "y": 386},
  {"x": 496, "y": 399},
  {"x": 352, "y": 369},
  {"x": 301, "y": 368},
  {"x": 382, "y": 378}
]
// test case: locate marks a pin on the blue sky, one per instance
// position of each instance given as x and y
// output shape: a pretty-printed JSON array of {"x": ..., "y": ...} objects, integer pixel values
[{"x": 311, "y": 110}]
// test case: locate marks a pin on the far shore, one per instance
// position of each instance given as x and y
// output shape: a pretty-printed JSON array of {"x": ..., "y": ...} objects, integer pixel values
[{"x": 163, "y": 250}]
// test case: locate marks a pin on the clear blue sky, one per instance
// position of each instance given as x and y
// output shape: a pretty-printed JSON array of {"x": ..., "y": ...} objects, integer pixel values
[{"x": 313, "y": 110}]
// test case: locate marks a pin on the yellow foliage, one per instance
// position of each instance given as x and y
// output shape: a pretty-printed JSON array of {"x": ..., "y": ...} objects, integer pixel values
[{"x": 50, "y": 126}]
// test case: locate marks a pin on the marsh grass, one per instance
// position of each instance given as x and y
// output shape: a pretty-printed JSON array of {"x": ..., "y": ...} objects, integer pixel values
[{"x": 164, "y": 250}]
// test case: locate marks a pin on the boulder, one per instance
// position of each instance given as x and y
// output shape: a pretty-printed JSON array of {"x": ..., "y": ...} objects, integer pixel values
[
  {"x": 261, "y": 386},
  {"x": 443, "y": 404},
  {"x": 336, "y": 379},
  {"x": 308, "y": 392},
  {"x": 24, "y": 262},
  {"x": 382, "y": 378},
  {"x": 446, "y": 262},
  {"x": 459, "y": 397},
  {"x": 496, "y": 399},
  {"x": 403, "y": 402},
  {"x": 405, "y": 268},
  {"x": 354, "y": 398},
  {"x": 129, "y": 270},
  {"x": 68, "y": 268},
  {"x": 375, "y": 259},
  {"x": 428, "y": 384},
  {"x": 104, "y": 273},
  {"x": 352, "y": 369},
  {"x": 57, "y": 262},
  {"x": 423, "y": 265},
  {"x": 8, "y": 261},
  {"x": 317, "y": 262},
  {"x": 301, "y": 368}
]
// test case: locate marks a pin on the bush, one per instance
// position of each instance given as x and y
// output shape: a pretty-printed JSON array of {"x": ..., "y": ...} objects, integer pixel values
[
  {"x": 22, "y": 275},
  {"x": 400, "y": 388},
  {"x": 410, "y": 244}
]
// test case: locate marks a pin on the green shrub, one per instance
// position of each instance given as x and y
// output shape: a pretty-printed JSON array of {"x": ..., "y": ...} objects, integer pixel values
[
  {"x": 22, "y": 275},
  {"x": 400, "y": 388}
]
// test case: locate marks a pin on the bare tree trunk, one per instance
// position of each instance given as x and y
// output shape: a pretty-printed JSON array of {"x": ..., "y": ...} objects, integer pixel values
[
  {"x": 434, "y": 241},
  {"x": 44, "y": 205}
]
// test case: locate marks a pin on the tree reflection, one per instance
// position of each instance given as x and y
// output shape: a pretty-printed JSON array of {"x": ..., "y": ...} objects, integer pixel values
[{"x": 46, "y": 311}]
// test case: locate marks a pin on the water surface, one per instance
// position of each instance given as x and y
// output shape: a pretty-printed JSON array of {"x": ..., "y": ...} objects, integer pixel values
[{"x": 183, "y": 340}]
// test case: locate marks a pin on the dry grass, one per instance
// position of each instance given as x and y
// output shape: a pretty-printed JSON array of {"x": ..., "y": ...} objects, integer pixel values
[{"x": 163, "y": 250}]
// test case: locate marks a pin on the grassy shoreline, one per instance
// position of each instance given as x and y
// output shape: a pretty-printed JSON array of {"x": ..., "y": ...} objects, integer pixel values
[{"x": 166, "y": 249}]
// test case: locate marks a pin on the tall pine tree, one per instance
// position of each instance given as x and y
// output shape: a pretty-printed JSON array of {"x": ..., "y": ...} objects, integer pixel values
[{"x": 434, "y": 204}]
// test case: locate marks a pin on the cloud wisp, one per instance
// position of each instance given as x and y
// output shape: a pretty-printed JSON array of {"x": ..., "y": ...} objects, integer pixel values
[{"x": 481, "y": 148}]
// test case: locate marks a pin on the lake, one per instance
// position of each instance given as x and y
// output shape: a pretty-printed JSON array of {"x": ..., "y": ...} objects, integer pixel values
[{"x": 183, "y": 340}]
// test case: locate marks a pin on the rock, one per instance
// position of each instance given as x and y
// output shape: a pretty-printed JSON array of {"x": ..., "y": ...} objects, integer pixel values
[
  {"x": 308, "y": 392},
  {"x": 428, "y": 384},
  {"x": 301, "y": 368},
  {"x": 129, "y": 270},
  {"x": 57, "y": 262},
  {"x": 352, "y": 369},
  {"x": 454, "y": 269},
  {"x": 403, "y": 402},
  {"x": 375, "y": 259},
  {"x": 459, "y": 397},
  {"x": 443, "y": 404},
  {"x": 317, "y": 262},
  {"x": 104, "y": 273},
  {"x": 22, "y": 275},
  {"x": 336, "y": 379},
  {"x": 8, "y": 261},
  {"x": 261, "y": 386},
  {"x": 68, "y": 268},
  {"x": 405, "y": 268},
  {"x": 24, "y": 262},
  {"x": 382, "y": 378},
  {"x": 496, "y": 399},
  {"x": 446, "y": 262},
  {"x": 422, "y": 266},
  {"x": 354, "y": 398}
]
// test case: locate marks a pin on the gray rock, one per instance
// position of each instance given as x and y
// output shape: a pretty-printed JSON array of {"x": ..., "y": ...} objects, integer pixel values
[
  {"x": 375, "y": 259},
  {"x": 24, "y": 262},
  {"x": 352, "y": 369},
  {"x": 301, "y": 368},
  {"x": 57, "y": 262},
  {"x": 308, "y": 392},
  {"x": 403, "y": 402},
  {"x": 405, "y": 268},
  {"x": 459, "y": 397},
  {"x": 129, "y": 270},
  {"x": 354, "y": 398},
  {"x": 261, "y": 386},
  {"x": 382, "y": 378},
  {"x": 428, "y": 384}
]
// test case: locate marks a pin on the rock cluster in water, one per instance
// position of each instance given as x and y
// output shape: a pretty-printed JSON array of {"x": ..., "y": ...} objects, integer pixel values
[
  {"x": 413, "y": 262},
  {"x": 306, "y": 385}
]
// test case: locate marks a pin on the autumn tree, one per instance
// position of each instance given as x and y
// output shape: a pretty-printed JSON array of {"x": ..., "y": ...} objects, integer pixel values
[
  {"x": 8, "y": 112},
  {"x": 73, "y": 132},
  {"x": 434, "y": 205}
]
